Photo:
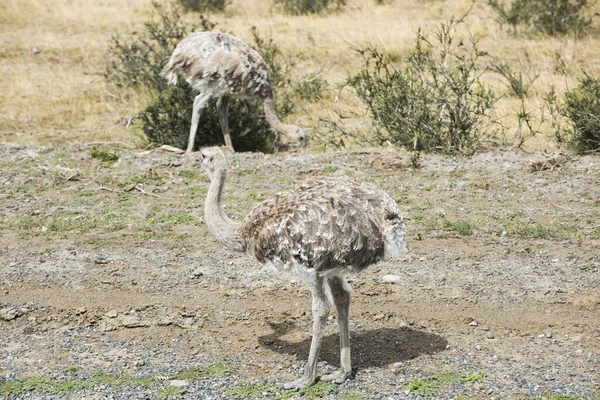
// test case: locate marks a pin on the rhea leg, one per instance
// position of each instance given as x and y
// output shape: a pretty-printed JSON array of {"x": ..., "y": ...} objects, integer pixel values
[
  {"x": 340, "y": 291},
  {"x": 222, "y": 108},
  {"x": 197, "y": 110},
  {"x": 320, "y": 309}
]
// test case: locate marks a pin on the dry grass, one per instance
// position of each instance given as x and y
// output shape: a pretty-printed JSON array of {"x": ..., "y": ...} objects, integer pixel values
[{"x": 53, "y": 52}]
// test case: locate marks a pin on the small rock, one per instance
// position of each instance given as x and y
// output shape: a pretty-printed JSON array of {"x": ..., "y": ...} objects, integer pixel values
[
  {"x": 107, "y": 326},
  {"x": 490, "y": 335},
  {"x": 132, "y": 321},
  {"x": 473, "y": 323},
  {"x": 197, "y": 273},
  {"x": 164, "y": 321},
  {"x": 10, "y": 313},
  {"x": 139, "y": 363},
  {"x": 185, "y": 323},
  {"x": 390, "y": 278},
  {"x": 548, "y": 334},
  {"x": 112, "y": 314},
  {"x": 378, "y": 317},
  {"x": 178, "y": 383}
]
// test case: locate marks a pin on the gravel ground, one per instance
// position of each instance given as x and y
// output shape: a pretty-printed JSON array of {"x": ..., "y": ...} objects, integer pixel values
[{"x": 109, "y": 269}]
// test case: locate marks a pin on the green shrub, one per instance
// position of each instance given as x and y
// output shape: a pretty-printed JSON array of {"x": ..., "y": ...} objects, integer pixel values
[
  {"x": 554, "y": 17},
  {"x": 166, "y": 120},
  {"x": 436, "y": 102},
  {"x": 299, "y": 7},
  {"x": 582, "y": 108},
  {"x": 204, "y": 5}
]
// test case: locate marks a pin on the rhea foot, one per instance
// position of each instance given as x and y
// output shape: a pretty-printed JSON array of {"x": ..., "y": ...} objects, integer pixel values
[
  {"x": 338, "y": 376},
  {"x": 299, "y": 383}
]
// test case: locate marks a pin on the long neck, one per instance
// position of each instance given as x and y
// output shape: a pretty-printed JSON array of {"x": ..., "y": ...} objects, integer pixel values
[
  {"x": 225, "y": 230},
  {"x": 271, "y": 115}
]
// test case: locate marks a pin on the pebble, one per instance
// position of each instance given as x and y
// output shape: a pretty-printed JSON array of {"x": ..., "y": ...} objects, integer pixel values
[
  {"x": 132, "y": 321},
  {"x": 390, "y": 278},
  {"x": 10, "y": 313}
]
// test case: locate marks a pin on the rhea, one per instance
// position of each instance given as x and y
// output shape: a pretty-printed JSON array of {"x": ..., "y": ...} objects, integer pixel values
[
  {"x": 221, "y": 66},
  {"x": 322, "y": 230}
]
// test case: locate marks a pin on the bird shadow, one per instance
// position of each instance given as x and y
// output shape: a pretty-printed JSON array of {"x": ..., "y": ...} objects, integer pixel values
[{"x": 373, "y": 348}]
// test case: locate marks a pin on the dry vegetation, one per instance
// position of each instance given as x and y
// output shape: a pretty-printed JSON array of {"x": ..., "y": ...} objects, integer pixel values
[{"x": 53, "y": 55}]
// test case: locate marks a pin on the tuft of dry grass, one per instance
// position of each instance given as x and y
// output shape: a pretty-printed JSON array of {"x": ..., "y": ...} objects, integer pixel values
[{"x": 52, "y": 54}]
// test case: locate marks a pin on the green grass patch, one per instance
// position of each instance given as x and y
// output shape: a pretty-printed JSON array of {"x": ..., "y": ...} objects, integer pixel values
[
  {"x": 262, "y": 390},
  {"x": 66, "y": 222},
  {"x": 189, "y": 176},
  {"x": 54, "y": 386},
  {"x": 330, "y": 169},
  {"x": 105, "y": 156},
  {"x": 194, "y": 191},
  {"x": 196, "y": 374},
  {"x": 179, "y": 217},
  {"x": 589, "y": 267},
  {"x": 430, "y": 386},
  {"x": 544, "y": 231},
  {"x": 559, "y": 396},
  {"x": 170, "y": 392},
  {"x": 462, "y": 227}
]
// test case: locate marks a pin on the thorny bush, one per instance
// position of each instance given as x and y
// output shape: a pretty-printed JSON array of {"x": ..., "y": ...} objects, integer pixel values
[{"x": 437, "y": 102}]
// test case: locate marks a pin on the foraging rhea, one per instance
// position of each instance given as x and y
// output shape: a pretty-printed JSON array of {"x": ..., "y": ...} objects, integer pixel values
[
  {"x": 321, "y": 230},
  {"x": 221, "y": 66}
]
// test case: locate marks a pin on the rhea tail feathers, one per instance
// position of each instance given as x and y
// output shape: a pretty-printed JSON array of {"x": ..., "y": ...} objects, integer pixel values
[{"x": 394, "y": 233}]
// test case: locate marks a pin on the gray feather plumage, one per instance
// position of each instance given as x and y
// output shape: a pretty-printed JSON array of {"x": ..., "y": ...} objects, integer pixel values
[
  {"x": 325, "y": 224},
  {"x": 220, "y": 64}
]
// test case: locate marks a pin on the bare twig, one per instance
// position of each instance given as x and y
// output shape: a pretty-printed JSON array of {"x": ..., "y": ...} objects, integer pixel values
[{"x": 172, "y": 149}]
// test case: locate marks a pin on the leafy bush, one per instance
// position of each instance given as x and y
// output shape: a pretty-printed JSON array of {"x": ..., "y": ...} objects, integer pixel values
[
  {"x": 139, "y": 61},
  {"x": 554, "y": 17},
  {"x": 204, "y": 5},
  {"x": 582, "y": 108},
  {"x": 436, "y": 103},
  {"x": 166, "y": 120},
  {"x": 299, "y": 7}
]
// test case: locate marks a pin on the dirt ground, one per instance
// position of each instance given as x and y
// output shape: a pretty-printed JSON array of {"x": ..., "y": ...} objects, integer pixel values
[{"x": 108, "y": 266}]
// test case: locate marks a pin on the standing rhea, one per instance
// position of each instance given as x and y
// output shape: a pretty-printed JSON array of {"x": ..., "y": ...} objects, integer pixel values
[
  {"x": 221, "y": 66},
  {"x": 321, "y": 230}
]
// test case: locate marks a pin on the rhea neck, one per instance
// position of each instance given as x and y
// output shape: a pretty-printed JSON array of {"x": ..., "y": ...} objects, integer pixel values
[
  {"x": 224, "y": 229},
  {"x": 273, "y": 118}
]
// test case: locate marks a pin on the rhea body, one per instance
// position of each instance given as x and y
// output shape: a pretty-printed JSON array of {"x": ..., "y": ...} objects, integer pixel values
[
  {"x": 221, "y": 66},
  {"x": 322, "y": 230}
]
